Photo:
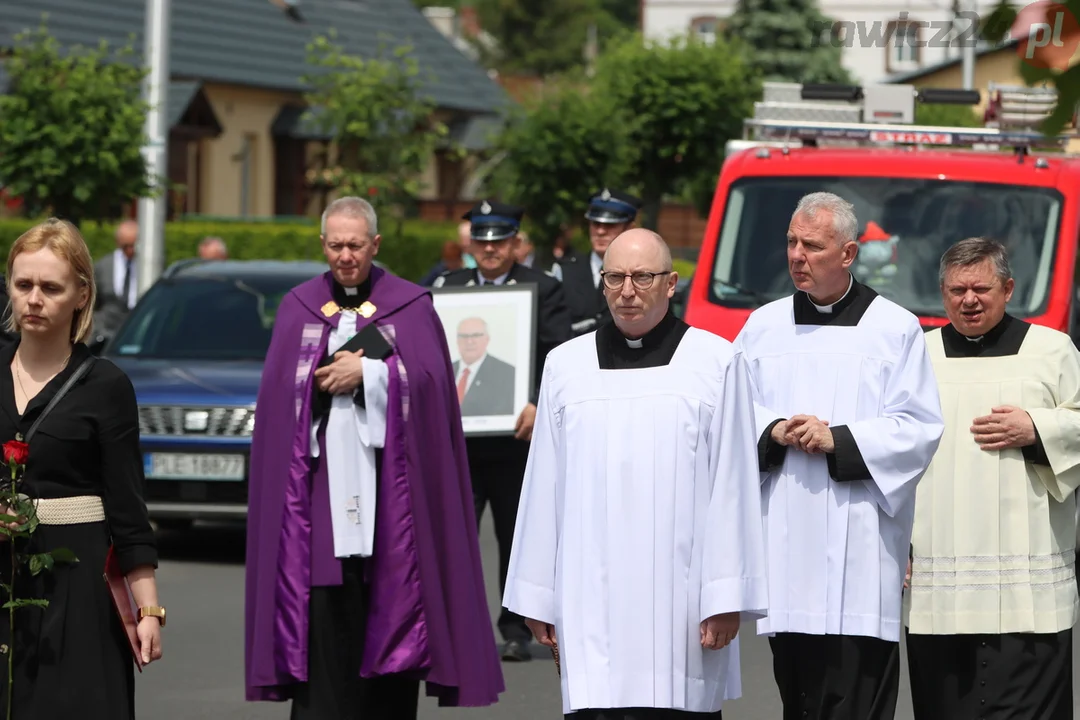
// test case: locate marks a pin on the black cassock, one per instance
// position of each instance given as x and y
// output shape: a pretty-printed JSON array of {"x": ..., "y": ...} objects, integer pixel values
[
  {"x": 615, "y": 352},
  {"x": 1025, "y": 676}
]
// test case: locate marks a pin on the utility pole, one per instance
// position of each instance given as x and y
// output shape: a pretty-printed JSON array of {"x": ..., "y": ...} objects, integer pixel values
[
  {"x": 150, "y": 251},
  {"x": 968, "y": 49}
]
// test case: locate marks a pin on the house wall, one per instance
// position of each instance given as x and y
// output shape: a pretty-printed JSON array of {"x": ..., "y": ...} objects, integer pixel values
[
  {"x": 238, "y": 167},
  {"x": 245, "y": 152},
  {"x": 866, "y": 53}
]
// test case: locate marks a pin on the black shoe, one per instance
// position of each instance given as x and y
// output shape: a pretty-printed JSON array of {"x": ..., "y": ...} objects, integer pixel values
[{"x": 516, "y": 651}]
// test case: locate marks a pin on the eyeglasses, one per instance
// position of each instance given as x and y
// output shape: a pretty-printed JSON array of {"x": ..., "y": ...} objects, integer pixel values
[
  {"x": 641, "y": 280},
  {"x": 470, "y": 336}
]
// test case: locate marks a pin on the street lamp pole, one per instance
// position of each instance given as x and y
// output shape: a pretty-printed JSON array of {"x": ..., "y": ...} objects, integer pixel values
[
  {"x": 968, "y": 49},
  {"x": 150, "y": 253}
]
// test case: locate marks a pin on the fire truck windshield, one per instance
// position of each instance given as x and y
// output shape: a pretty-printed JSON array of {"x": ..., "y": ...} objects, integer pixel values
[{"x": 904, "y": 227}]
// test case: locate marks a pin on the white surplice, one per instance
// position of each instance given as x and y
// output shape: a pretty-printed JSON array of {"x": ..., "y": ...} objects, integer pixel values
[
  {"x": 640, "y": 517},
  {"x": 352, "y": 435},
  {"x": 995, "y": 535},
  {"x": 837, "y": 551}
]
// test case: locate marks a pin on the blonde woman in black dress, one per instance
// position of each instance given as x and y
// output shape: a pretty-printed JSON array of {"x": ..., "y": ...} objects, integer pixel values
[{"x": 84, "y": 470}]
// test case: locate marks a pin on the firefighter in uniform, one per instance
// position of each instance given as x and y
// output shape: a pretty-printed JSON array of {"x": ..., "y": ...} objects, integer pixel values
[
  {"x": 497, "y": 462},
  {"x": 610, "y": 214}
]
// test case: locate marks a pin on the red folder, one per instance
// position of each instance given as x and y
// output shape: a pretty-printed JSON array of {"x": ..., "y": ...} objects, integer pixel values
[{"x": 124, "y": 604}]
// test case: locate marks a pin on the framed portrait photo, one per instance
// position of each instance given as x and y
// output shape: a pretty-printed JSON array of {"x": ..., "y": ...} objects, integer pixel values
[{"x": 489, "y": 329}]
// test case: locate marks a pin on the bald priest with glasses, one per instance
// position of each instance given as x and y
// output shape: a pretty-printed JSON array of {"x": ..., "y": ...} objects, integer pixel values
[{"x": 639, "y": 548}]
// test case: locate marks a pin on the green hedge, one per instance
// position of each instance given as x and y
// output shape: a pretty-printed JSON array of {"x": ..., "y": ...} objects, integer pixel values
[{"x": 409, "y": 255}]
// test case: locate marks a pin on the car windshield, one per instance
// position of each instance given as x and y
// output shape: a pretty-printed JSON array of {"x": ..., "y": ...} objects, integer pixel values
[
  {"x": 905, "y": 225},
  {"x": 204, "y": 318}
]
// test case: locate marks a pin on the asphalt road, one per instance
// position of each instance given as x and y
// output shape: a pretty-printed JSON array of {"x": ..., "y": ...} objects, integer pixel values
[{"x": 201, "y": 580}]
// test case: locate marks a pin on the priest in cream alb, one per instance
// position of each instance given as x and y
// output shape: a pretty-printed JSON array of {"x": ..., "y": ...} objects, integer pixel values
[
  {"x": 638, "y": 545},
  {"x": 848, "y": 421},
  {"x": 993, "y": 596}
]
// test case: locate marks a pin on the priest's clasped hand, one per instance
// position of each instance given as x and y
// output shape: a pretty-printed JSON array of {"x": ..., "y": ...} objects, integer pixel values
[
  {"x": 1005, "y": 427},
  {"x": 806, "y": 432},
  {"x": 719, "y": 630},
  {"x": 343, "y": 375}
]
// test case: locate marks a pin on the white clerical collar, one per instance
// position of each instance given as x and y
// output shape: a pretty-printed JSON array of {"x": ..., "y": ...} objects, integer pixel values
[
  {"x": 351, "y": 291},
  {"x": 634, "y": 343},
  {"x": 828, "y": 308}
]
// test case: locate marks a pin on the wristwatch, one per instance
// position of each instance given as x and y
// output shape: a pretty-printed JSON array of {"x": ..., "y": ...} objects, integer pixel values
[{"x": 153, "y": 611}]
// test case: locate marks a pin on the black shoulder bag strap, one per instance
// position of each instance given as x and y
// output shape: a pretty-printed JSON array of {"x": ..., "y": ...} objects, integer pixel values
[{"x": 70, "y": 383}]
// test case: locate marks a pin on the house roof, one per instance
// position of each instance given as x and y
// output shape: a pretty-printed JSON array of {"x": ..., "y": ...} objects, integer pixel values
[
  {"x": 916, "y": 75},
  {"x": 252, "y": 43}
]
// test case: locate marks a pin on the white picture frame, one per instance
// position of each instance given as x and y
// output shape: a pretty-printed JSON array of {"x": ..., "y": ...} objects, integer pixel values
[{"x": 492, "y": 328}]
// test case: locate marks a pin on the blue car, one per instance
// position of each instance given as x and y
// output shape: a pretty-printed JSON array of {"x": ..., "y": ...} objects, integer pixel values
[{"x": 194, "y": 348}]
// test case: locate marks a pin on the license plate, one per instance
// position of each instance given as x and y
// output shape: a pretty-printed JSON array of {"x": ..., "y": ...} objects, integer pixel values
[{"x": 193, "y": 466}]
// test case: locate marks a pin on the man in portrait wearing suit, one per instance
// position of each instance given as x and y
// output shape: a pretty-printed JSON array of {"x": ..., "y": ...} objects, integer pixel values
[
  {"x": 116, "y": 276},
  {"x": 610, "y": 214},
  {"x": 485, "y": 384},
  {"x": 497, "y": 463}
]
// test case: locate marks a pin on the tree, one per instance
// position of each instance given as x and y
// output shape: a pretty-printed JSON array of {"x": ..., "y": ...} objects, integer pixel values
[
  {"x": 679, "y": 103},
  {"x": 789, "y": 38},
  {"x": 382, "y": 126},
  {"x": 540, "y": 37},
  {"x": 73, "y": 129},
  {"x": 557, "y": 151}
]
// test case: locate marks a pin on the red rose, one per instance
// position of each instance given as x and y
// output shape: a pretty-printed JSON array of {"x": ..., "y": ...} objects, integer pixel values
[{"x": 17, "y": 451}]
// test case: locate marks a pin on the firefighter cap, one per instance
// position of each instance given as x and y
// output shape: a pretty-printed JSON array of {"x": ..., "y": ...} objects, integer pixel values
[
  {"x": 612, "y": 206},
  {"x": 492, "y": 221}
]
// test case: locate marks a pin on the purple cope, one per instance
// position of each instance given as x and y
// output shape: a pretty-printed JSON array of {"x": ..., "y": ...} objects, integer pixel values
[{"x": 428, "y": 613}]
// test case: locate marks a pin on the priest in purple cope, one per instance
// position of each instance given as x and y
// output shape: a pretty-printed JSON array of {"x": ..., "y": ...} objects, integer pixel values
[{"x": 363, "y": 565}]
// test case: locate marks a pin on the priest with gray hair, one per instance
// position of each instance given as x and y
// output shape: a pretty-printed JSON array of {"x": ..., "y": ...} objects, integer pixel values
[
  {"x": 992, "y": 596},
  {"x": 848, "y": 419}
]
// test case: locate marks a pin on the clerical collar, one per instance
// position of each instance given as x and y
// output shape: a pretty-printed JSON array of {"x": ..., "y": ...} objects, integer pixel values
[
  {"x": 353, "y": 297},
  {"x": 615, "y": 351},
  {"x": 1003, "y": 339},
  {"x": 654, "y": 337},
  {"x": 845, "y": 312},
  {"x": 829, "y": 308}
]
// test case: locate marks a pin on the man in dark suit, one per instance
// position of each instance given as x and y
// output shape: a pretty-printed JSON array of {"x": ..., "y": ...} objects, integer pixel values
[
  {"x": 497, "y": 463},
  {"x": 610, "y": 213},
  {"x": 117, "y": 277},
  {"x": 485, "y": 383}
]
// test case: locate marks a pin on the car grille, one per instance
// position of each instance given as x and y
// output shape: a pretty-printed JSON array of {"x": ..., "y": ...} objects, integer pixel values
[{"x": 197, "y": 421}]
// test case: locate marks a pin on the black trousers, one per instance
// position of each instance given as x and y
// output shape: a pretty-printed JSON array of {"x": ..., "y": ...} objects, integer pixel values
[
  {"x": 335, "y": 690},
  {"x": 641, "y": 714},
  {"x": 836, "y": 677},
  {"x": 1022, "y": 676},
  {"x": 497, "y": 467}
]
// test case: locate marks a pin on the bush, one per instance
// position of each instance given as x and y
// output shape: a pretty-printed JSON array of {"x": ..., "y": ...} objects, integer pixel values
[
  {"x": 685, "y": 268},
  {"x": 410, "y": 256}
]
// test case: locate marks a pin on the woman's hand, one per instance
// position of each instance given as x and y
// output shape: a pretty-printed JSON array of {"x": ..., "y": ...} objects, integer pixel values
[{"x": 150, "y": 639}]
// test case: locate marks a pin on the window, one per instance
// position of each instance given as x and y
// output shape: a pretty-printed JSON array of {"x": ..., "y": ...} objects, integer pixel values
[
  {"x": 705, "y": 29},
  {"x": 903, "y": 48},
  {"x": 914, "y": 222},
  {"x": 211, "y": 318}
]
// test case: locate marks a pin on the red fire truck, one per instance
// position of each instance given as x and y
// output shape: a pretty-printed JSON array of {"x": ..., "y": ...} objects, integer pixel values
[{"x": 916, "y": 190}]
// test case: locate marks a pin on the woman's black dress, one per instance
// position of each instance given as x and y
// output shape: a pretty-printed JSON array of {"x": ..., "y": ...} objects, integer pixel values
[{"x": 72, "y": 659}]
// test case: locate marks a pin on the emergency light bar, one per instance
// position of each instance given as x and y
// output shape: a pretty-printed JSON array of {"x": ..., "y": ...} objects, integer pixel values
[
  {"x": 885, "y": 115},
  {"x": 880, "y": 134}
]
